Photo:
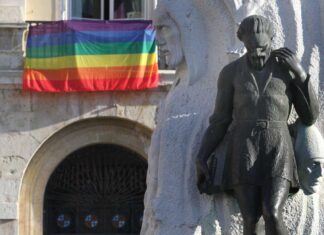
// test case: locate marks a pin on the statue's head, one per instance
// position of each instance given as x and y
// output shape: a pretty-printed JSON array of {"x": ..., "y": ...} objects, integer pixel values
[
  {"x": 309, "y": 151},
  {"x": 256, "y": 32},
  {"x": 310, "y": 175},
  {"x": 168, "y": 36}
]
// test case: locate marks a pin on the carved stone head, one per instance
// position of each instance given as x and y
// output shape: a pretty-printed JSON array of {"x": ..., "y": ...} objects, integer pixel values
[
  {"x": 309, "y": 152},
  {"x": 256, "y": 32},
  {"x": 168, "y": 36}
]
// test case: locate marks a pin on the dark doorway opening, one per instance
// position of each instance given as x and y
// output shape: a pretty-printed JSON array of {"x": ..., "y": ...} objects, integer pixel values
[{"x": 98, "y": 189}]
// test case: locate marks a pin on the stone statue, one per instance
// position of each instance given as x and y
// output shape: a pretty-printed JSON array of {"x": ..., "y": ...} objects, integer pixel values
[
  {"x": 168, "y": 38},
  {"x": 254, "y": 100},
  {"x": 309, "y": 152},
  {"x": 180, "y": 122}
]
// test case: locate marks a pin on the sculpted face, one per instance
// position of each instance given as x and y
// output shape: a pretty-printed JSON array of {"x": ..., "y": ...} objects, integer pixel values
[
  {"x": 309, "y": 152},
  {"x": 168, "y": 37},
  {"x": 310, "y": 172},
  {"x": 258, "y": 47}
]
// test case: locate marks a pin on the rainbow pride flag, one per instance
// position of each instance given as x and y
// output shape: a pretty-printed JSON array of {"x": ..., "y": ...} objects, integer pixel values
[{"x": 67, "y": 56}]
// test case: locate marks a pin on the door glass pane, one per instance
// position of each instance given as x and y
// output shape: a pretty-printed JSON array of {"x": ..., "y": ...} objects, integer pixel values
[
  {"x": 89, "y": 9},
  {"x": 128, "y": 9}
]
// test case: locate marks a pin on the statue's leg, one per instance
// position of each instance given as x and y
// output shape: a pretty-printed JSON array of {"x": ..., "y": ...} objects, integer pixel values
[
  {"x": 249, "y": 200},
  {"x": 275, "y": 193}
]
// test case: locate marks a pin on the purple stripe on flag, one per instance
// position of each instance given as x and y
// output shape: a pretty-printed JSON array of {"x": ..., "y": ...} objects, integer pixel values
[{"x": 89, "y": 25}]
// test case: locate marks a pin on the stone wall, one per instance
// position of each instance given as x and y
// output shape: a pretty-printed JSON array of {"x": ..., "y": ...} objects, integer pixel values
[
  {"x": 11, "y": 165},
  {"x": 28, "y": 119},
  {"x": 12, "y": 11}
]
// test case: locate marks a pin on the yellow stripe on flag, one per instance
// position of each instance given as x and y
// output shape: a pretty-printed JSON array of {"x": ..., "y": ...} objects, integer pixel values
[{"x": 88, "y": 61}]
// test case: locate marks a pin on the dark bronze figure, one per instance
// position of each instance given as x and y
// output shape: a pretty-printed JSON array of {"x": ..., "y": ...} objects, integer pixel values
[{"x": 255, "y": 96}]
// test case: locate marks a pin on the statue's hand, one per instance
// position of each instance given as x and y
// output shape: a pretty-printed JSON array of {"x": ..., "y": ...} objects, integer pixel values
[
  {"x": 290, "y": 60},
  {"x": 203, "y": 176}
]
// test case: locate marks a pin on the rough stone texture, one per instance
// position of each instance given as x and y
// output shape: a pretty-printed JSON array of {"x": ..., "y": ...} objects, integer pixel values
[
  {"x": 10, "y": 50},
  {"x": 12, "y": 167},
  {"x": 173, "y": 205},
  {"x": 10, "y": 14},
  {"x": 9, "y": 227},
  {"x": 28, "y": 119},
  {"x": 12, "y": 11},
  {"x": 8, "y": 211}
]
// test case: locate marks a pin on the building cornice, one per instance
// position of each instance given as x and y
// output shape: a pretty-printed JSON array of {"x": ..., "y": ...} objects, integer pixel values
[
  {"x": 21, "y": 25},
  {"x": 12, "y": 79}
]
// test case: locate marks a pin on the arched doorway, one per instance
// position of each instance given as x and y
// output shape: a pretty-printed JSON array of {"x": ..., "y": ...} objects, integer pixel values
[
  {"x": 107, "y": 130},
  {"x": 98, "y": 189}
]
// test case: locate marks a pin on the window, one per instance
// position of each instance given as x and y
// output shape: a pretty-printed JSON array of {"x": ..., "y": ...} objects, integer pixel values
[
  {"x": 49, "y": 10},
  {"x": 108, "y": 9}
]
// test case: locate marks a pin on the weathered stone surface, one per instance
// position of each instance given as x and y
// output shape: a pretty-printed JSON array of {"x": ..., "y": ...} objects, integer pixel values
[
  {"x": 11, "y": 13},
  {"x": 9, "y": 227},
  {"x": 8, "y": 190},
  {"x": 12, "y": 167},
  {"x": 12, "y": 3},
  {"x": 8, "y": 211},
  {"x": 173, "y": 204},
  {"x": 10, "y": 39},
  {"x": 11, "y": 60},
  {"x": 28, "y": 120}
]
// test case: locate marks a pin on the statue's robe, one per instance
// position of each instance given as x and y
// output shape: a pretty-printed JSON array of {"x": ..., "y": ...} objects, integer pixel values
[{"x": 256, "y": 105}]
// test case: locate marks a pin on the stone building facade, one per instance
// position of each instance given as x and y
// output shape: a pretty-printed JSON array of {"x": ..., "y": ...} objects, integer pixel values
[{"x": 39, "y": 130}]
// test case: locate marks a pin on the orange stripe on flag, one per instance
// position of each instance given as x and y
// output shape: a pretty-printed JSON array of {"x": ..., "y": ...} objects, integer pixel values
[{"x": 91, "y": 73}]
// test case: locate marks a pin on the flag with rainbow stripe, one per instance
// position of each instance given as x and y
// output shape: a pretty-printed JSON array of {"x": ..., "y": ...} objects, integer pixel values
[{"x": 77, "y": 55}]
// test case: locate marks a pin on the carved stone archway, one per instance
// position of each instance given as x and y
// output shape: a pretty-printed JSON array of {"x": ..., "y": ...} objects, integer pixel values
[{"x": 117, "y": 131}]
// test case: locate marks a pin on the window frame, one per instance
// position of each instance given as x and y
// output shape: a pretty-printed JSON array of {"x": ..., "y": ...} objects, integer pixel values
[{"x": 145, "y": 9}]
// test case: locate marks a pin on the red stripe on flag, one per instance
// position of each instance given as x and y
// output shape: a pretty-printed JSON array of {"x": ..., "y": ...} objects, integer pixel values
[{"x": 91, "y": 84}]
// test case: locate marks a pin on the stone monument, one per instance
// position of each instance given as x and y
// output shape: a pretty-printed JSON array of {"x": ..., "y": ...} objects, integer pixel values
[
  {"x": 205, "y": 32},
  {"x": 256, "y": 93}
]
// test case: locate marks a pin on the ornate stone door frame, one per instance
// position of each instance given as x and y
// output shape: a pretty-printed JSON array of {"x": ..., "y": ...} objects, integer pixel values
[{"x": 122, "y": 132}]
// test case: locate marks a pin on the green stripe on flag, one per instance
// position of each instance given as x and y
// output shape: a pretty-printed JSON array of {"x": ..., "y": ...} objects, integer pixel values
[{"x": 91, "y": 49}]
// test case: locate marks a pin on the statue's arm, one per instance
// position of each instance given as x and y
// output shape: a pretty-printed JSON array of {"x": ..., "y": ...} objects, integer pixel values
[
  {"x": 221, "y": 117},
  {"x": 303, "y": 95},
  {"x": 305, "y": 101}
]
